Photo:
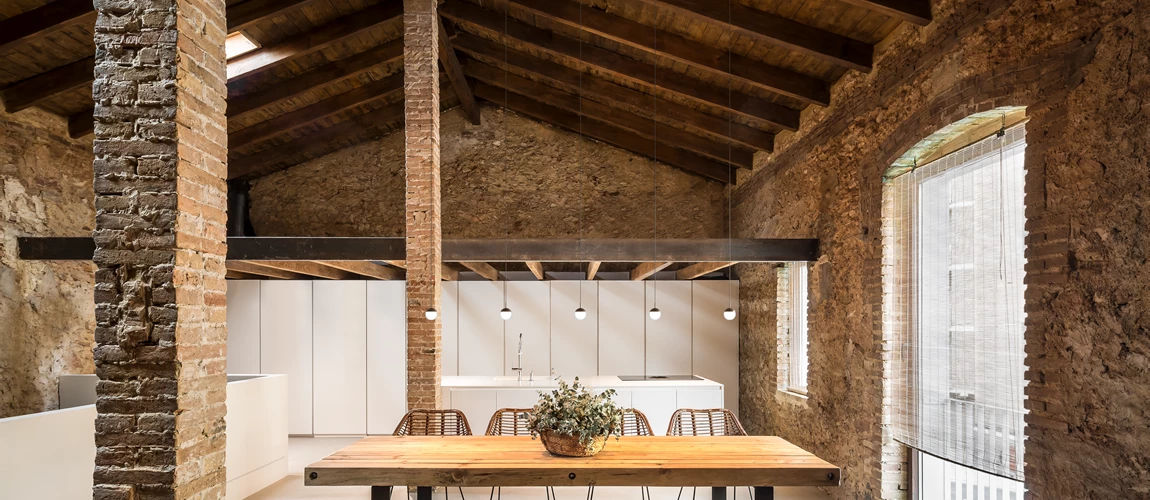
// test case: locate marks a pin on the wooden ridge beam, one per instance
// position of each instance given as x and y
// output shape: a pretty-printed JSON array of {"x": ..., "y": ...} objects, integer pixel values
[
  {"x": 671, "y": 136},
  {"x": 536, "y": 269},
  {"x": 592, "y": 269},
  {"x": 316, "y": 269},
  {"x": 365, "y": 268},
  {"x": 250, "y": 12},
  {"x": 699, "y": 56},
  {"x": 261, "y": 270},
  {"x": 44, "y": 20},
  {"x": 308, "y": 115},
  {"x": 695, "y": 270},
  {"x": 776, "y": 30},
  {"x": 608, "y": 92},
  {"x": 454, "y": 72},
  {"x": 632, "y": 70},
  {"x": 266, "y": 58},
  {"x": 646, "y": 269},
  {"x": 912, "y": 11},
  {"x": 483, "y": 269},
  {"x": 606, "y": 133},
  {"x": 31, "y": 91},
  {"x": 241, "y": 102}
]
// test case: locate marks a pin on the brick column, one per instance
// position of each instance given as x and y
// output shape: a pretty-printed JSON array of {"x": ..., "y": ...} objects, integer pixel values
[
  {"x": 424, "y": 240},
  {"x": 160, "y": 163}
]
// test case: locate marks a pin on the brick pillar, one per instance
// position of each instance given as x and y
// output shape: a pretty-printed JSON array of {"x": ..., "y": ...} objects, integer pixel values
[
  {"x": 160, "y": 163},
  {"x": 424, "y": 240}
]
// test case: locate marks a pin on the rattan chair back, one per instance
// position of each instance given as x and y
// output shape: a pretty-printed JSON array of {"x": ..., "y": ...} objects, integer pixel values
[
  {"x": 509, "y": 422},
  {"x": 635, "y": 423},
  {"x": 710, "y": 422},
  {"x": 433, "y": 423}
]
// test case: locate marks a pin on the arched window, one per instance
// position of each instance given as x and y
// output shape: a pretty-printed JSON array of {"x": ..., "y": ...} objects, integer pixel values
[{"x": 953, "y": 267}]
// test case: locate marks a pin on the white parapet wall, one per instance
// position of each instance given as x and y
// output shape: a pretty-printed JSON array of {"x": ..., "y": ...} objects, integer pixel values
[{"x": 52, "y": 454}]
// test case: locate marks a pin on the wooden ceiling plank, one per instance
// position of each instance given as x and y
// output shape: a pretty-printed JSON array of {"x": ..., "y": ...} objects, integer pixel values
[
  {"x": 646, "y": 269},
  {"x": 81, "y": 124},
  {"x": 695, "y": 270},
  {"x": 261, "y": 270},
  {"x": 536, "y": 269},
  {"x": 271, "y": 56},
  {"x": 589, "y": 85},
  {"x": 327, "y": 74},
  {"x": 777, "y": 30},
  {"x": 308, "y": 115},
  {"x": 605, "y": 132},
  {"x": 18, "y": 30},
  {"x": 623, "y": 67},
  {"x": 316, "y": 269},
  {"x": 366, "y": 268},
  {"x": 739, "y": 156},
  {"x": 592, "y": 269},
  {"x": 251, "y": 12},
  {"x": 454, "y": 72},
  {"x": 912, "y": 11},
  {"x": 483, "y": 269},
  {"x": 710, "y": 59},
  {"x": 31, "y": 91}
]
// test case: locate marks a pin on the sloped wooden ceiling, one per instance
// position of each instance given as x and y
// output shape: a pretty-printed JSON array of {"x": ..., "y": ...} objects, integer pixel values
[{"x": 328, "y": 73}]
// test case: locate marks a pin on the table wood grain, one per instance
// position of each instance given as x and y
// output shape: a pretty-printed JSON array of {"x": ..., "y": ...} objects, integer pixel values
[{"x": 521, "y": 461}]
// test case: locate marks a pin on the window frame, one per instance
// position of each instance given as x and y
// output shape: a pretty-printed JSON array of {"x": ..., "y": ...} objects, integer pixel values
[{"x": 798, "y": 329}]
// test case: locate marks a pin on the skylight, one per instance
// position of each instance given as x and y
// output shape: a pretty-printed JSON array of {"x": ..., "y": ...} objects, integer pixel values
[{"x": 238, "y": 44}]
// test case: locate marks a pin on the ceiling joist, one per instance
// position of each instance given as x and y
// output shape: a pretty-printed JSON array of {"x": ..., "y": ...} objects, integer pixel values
[
  {"x": 309, "y": 269},
  {"x": 261, "y": 270},
  {"x": 454, "y": 72},
  {"x": 44, "y": 20},
  {"x": 536, "y": 268},
  {"x": 251, "y": 12},
  {"x": 365, "y": 268},
  {"x": 592, "y": 269},
  {"x": 30, "y": 92},
  {"x": 647, "y": 269},
  {"x": 911, "y": 11},
  {"x": 483, "y": 269},
  {"x": 702, "y": 268}
]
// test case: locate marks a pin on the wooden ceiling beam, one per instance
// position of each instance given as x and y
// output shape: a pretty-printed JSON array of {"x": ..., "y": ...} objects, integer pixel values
[
  {"x": 695, "y": 270},
  {"x": 483, "y": 269},
  {"x": 592, "y": 269},
  {"x": 81, "y": 124},
  {"x": 690, "y": 52},
  {"x": 536, "y": 269},
  {"x": 251, "y": 12},
  {"x": 454, "y": 72},
  {"x": 605, "y": 132},
  {"x": 241, "y": 101},
  {"x": 633, "y": 70},
  {"x": 912, "y": 11},
  {"x": 378, "y": 89},
  {"x": 272, "y": 56},
  {"x": 671, "y": 136},
  {"x": 776, "y": 30},
  {"x": 236, "y": 275},
  {"x": 560, "y": 76},
  {"x": 261, "y": 270},
  {"x": 366, "y": 268},
  {"x": 31, "y": 91},
  {"x": 448, "y": 273},
  {"x": 646, "y": 269},
  {"x": 44, "y": 20},
  {"x": 316, "y": 269}
]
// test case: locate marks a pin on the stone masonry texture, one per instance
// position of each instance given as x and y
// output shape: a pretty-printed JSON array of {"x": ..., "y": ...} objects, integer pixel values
[
  {"x": 1081, "y": 70},
  {"x": 160, "y": 148},
  {"x": 45, "y": 307},
  {"x": 423, "y": 213}
]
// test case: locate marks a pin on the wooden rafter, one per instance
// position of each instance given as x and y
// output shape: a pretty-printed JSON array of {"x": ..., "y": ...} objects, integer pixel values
[
  {"x": 702, "y": 57},
  {"x": 309, "y": 268},
  {"x": 448, "y": 273},
  {"x": 560, "y": 76},
  {"x": 250, "y": 12},
  {"x": 365, "y": 268},
  {"x": 236, "y": 275},
  {"x": 454, "y": 72},
  {"x": 646, "y": 269},
  {"x": 266, "y": 58},
  {"x": 592, "y": 269},
  {"x": 695, "y": 270},
  {"x": 81, "y": 124},
  {"x": 30, "y": 92},
  {"x": 46, "y": 19},
  {"x": 632, "y": 70},
  {"x": 776, "y": 30},
  {"x": 261, "y": 270},
  {"x": 671, "y": 136},
  {"x": 536, "y": 269},
  {"x": 911, "y": 11},
  {"x": 483, "y": 269}
]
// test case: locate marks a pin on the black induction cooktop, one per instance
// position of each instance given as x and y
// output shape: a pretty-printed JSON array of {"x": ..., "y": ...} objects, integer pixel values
[{"x": 637, "y": 378}]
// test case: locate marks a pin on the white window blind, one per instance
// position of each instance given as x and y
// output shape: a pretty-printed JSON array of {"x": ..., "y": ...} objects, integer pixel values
[
  {"x": 797, "y": 371},
  {"x": 953, "y": 259}
]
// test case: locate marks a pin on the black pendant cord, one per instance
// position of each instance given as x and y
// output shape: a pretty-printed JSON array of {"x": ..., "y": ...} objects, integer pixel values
[
  {"x": 655, "y": 152},
  {"x": 581, "y": 174},
  {"x": 730, "y": 169}
]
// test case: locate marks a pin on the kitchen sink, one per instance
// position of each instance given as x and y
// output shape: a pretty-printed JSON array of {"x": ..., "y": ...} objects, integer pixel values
[{"x": 655, "y": 378}]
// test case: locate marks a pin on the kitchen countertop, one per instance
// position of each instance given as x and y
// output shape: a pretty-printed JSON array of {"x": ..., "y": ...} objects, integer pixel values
[{"x": 596, "y": 382}]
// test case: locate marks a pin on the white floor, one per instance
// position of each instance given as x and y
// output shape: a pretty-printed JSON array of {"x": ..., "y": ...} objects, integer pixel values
[{"x": 304, "y": 451}]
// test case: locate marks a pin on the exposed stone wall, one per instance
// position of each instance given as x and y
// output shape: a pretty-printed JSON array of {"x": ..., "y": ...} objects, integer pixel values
[
  {"x": 511, "y": 174},
  {"x": 46, "y": 309},
  {"x": 1080, "y": 68}
]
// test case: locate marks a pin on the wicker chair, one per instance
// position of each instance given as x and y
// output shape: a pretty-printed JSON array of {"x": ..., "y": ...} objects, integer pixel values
[
  {"x": 635, "y": 423},
  {"x": 433, "y": 423},
  {"x": 509, "y": 422},
  {"x": 711, "y": 422}
]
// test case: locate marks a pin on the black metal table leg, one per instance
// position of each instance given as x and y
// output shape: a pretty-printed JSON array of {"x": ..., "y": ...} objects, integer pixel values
[
  {"x": 764, "y": 493},
  {"x": 423, "y": 493},
  {"x": 719, "y": 493},
  {"x": 381, "y": 493}
]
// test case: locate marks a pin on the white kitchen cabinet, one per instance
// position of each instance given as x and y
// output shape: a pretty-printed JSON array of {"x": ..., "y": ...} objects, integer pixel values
[
  {"x": 574, "y": 343},
  {"x": 516, "y": 398},
  {"x": 480, "y": 328},
  {"x": 701, "y": 399},
  {"x": 658, "y": 405},
  {"x": 621, "y": 326},
  {"x": 668, "y": 343},
  {"x": 449, "y": 317},
  {"x": 715, "y": 347},
  {"x": 622, "y": 398},
  {"x": 243, "y": 317},
  {"x": 530, "y": 303},
  {"x": 340, "y": 357},
  {"x": 286, "y": 345},
  {"x": 386, "y": 355},
  {"x": 477, "y": 405}
]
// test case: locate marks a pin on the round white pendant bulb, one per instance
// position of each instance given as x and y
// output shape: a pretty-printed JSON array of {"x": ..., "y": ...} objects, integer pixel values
[
  {"x": 656, "y": 313},
  {"x": 431, "y": 314},
  {"x": 580, "y": 314},
  {"x": 505, "y": 313},
  {"x": 729, "y": 314}
]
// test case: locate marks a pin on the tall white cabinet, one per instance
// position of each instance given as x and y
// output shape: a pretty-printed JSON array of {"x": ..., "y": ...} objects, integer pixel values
[
  {"x": 386, "y": 355},
  {"x": 668, "y": 344},
  {"x": 530, "y": 303},
  {"x": 243, "y": 317},
  {"x": 621, "y": 324},
  {"x": 339, "y": 332},
  {"x": 574, "y": 343},
  {"x": 449, "y": 319},
  {"x": 286, "y": 344},
  {"x": 481, "y": 328}
]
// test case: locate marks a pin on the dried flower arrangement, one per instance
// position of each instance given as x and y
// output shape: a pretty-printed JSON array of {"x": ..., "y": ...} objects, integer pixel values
[{"x": 571, "y": 421}]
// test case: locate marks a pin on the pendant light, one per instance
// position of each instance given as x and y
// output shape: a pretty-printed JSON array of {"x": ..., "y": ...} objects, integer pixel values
[
  {"x": 580, "y": 313},
  {"x": 505, "y": 313},
  {"x": 729, "y": 313},
  {"x": 655, "y": 313},
  {"x": 431, "y": 314}
]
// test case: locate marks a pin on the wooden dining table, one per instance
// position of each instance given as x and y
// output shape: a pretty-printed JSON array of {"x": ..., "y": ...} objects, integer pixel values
[{"x": 425, "y": 462}]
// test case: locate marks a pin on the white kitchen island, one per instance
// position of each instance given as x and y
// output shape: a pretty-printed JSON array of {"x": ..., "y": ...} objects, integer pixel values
[{"x": 478, "y": 397}]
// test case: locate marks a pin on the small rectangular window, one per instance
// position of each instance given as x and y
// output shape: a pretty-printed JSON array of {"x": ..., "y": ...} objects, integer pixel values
[
  {"x": 238, "y": 44},
  {"x": 797, "y": 371}
]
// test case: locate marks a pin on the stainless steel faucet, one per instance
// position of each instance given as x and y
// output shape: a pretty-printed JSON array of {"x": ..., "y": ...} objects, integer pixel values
[{"x": 519, "y": 364}]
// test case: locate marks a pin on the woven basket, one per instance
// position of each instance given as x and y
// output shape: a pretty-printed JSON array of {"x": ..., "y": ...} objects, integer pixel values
[{"x": 566, "y": 445}]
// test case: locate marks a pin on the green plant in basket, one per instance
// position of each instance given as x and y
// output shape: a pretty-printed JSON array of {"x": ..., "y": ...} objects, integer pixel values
[{"x": 572, "y": 421}]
